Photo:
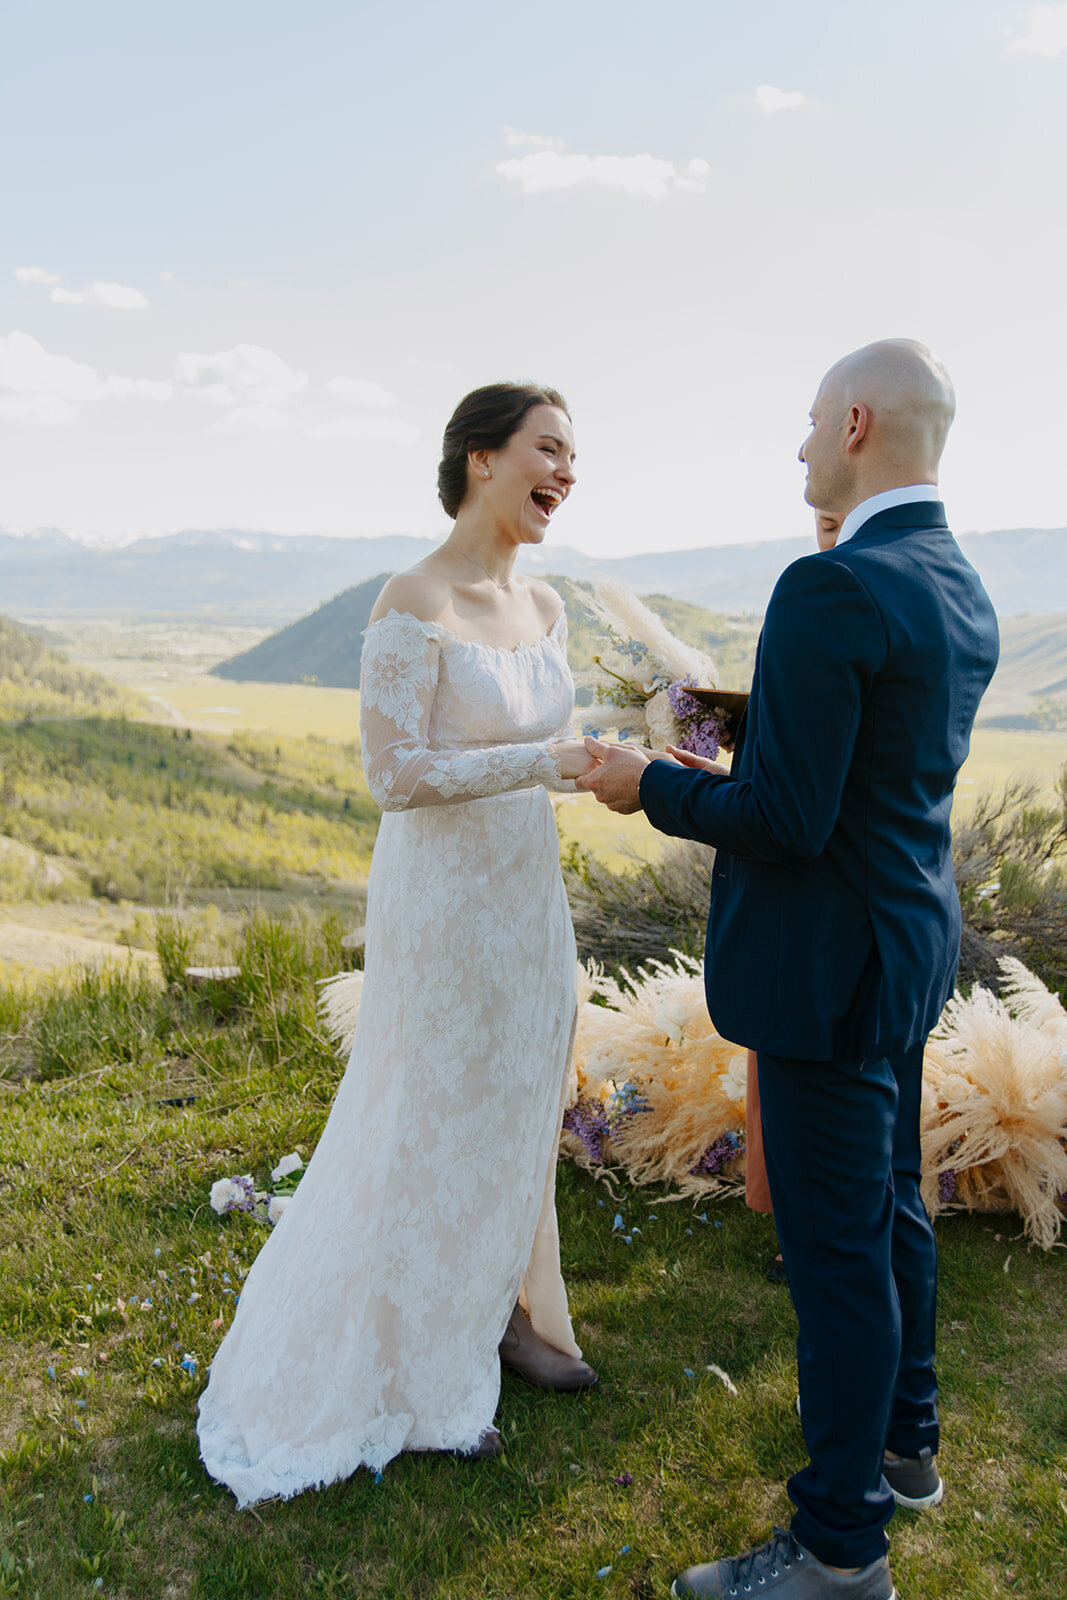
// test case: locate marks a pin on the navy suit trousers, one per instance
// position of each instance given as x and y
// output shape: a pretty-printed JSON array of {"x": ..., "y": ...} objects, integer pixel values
[{"x": 841, "y": 1142}]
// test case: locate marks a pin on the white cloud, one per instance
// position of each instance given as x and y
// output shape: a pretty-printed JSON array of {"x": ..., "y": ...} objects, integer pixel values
[
  {"x": 1048, "y": 32},
  {"x": 537, "y": 141},
  {"x": 135, "y": 389},
  {"x": 643, "y": 175},
  {"x": 366, "y": 430},
  {"x": 360, "y": 392},
  {"x": 769, "y": 99},
  {"x": 114, "y": 296},
  {"x": 35, "y": 275},
  {"x": 37, "y": 386},
  {"x": 248, "y": 375},
  {"x": 253, "y": 419},
  {"x": 44, "y": 410}
]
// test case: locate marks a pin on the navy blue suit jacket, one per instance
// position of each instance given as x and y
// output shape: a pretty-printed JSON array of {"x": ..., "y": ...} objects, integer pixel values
[{"x": 834, "y": 927}]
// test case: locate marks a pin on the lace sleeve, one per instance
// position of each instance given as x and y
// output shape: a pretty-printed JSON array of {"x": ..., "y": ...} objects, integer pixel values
[{"x": 401, "y": 658}]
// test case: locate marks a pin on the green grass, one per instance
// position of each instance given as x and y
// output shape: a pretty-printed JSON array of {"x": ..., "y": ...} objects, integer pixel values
[
  {"x": 293, "y": 710},
  {"x": 124, "y": 1101},
  {"x": 144, "y": 812}
]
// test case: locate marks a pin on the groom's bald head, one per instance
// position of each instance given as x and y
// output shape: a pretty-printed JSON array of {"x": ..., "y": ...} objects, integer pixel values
[{"x": 880, "y": 421}]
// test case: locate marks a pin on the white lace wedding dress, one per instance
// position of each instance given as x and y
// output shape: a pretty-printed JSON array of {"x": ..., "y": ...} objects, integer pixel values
[{"x": 369, "y": 1322}]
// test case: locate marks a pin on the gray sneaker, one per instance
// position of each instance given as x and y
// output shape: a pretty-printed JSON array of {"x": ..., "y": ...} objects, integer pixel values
[
  {"x": 783, "y": 1566},
  {"x": 914, "y": 1480}
]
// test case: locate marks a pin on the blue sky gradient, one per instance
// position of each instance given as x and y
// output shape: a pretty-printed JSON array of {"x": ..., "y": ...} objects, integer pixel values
[{"x": 321, "y": 184}]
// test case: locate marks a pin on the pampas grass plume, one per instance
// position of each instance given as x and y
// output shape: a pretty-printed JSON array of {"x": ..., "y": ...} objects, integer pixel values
[
  {"x": 619, "y": 609},
  {"x": 995, "y": 1103}
]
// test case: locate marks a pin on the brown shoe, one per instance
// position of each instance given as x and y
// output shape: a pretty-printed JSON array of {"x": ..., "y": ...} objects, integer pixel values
[{"x": 539, "y": 1362}]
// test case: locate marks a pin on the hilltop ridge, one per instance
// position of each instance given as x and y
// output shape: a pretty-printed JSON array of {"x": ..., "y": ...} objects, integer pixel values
[{"x": 276, "y": 578}]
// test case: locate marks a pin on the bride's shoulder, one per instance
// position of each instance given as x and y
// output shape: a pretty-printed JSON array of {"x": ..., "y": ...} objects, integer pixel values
[
  {"x": 547, "y": 601},
  {"x": 417, "y": 594}
]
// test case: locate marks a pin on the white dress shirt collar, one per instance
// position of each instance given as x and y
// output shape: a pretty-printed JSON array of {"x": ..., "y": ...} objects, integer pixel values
[{"x": 885, "y": 501}]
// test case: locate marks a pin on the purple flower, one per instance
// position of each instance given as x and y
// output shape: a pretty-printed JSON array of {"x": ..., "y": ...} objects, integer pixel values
[
  {"x": 719, "y": 1154},
  {"x": 946, "y": 1186},
  {"x": 587, "y": 1120},
  {"x": 624, "y": 1480},
  {"x": 684, "y": 705},
  {"x": 702, "y": 738}
]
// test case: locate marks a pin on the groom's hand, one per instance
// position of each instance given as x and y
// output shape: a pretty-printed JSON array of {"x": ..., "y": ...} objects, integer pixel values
[
  {"x": 686, "y": 758},
  {"x": 617, "y": 778}
]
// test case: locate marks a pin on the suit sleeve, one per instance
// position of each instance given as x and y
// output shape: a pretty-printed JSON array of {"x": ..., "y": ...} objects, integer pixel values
[{"x": 823, "y": 641}]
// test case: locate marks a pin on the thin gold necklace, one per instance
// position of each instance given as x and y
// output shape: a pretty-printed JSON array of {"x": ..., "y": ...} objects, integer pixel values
[{"x": 488, "y": 574}]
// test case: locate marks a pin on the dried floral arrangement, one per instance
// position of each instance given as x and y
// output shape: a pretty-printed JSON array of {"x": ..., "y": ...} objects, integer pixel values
[
  {"x": 658, "y": 1095},
  {"x": 994, "y": 1112},
  {"x": 650, "y": 701},
  {"x": 655, "y": 1089}
]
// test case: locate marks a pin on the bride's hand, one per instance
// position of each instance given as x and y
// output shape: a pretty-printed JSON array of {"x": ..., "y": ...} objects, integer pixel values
[
  {"x": 573, "y": 759},
  {"x": 688, "y": 759}
]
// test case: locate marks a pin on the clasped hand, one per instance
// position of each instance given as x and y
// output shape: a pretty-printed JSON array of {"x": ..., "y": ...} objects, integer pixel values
[{"x": 612, "y": 772}]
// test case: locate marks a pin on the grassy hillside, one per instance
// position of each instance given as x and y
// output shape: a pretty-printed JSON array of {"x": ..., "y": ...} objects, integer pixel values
[
  {"x": 1030, "y": 687},
  {"x": 325, "y": 647},
  {"x": 322, "y": 648},
  {"x": 124, "y": 1101},
  {"x": 143, "y": 812},
  {"x": 36, "y": 681}
]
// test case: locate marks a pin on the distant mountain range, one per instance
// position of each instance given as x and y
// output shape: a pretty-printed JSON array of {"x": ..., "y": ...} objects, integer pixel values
[
  {"x": 274, "y": 579},
  {"x": 1028, "y": 691}
]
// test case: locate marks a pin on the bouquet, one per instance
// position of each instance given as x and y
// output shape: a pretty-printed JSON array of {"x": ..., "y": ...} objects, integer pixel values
[
  {"x": 652, "y": 702},
  {"x": 240, "y": 1193}
]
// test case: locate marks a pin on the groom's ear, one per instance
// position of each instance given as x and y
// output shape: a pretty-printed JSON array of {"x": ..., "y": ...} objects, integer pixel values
[{"x": 856, "y": 425}]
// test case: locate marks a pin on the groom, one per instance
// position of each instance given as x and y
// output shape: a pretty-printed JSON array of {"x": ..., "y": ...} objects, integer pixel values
[{"x": 832, "y": 944}]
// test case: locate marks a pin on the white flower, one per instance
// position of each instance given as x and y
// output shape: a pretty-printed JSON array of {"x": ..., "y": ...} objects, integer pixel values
[
  {"x": 275, "y": 1206},
  {"x": 224, "y": 1194},
  {"x": 662, "y": 726},
  {"x": 288, "y": 1164},
  {"x": 734, "y": 1081},
  {"x": 675, "y": 1013}
]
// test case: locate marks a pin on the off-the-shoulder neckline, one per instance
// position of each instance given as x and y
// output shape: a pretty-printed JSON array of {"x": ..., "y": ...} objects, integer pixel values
[{"x": 435, "y": 628}]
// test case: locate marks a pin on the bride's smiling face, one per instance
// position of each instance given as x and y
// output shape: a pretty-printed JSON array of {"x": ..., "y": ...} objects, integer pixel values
[{"x": 523, "y": 484}]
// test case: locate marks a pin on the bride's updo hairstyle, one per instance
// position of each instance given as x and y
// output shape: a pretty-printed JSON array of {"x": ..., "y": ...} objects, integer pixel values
[{"x": 485, "y": 419}]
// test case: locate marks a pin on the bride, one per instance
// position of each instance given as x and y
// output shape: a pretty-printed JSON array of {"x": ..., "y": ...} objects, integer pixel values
[{"x": 421, "y": 1247}]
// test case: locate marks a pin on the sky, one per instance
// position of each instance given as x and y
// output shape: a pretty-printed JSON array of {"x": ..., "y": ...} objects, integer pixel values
[{"x": 252, "y": 254}]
